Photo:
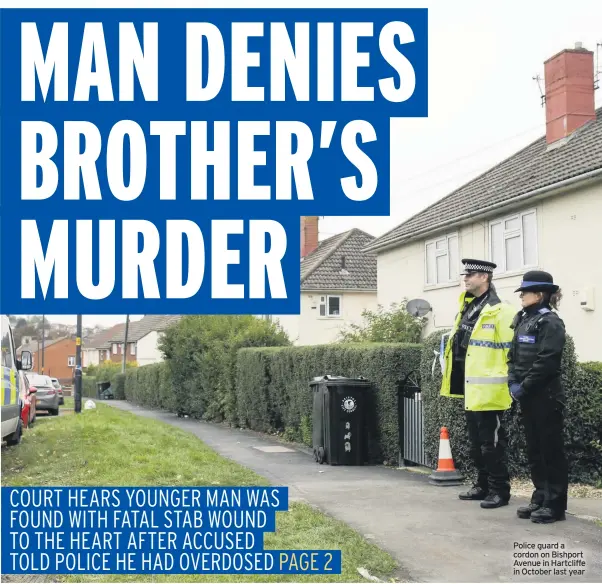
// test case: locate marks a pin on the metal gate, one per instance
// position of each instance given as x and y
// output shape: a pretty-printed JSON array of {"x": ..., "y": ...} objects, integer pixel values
[{"x": 411, "y": 422}]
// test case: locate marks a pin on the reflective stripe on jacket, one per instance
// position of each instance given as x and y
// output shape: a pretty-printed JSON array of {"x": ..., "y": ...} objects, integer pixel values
[
  {"x": 10, "y": 387},
  {"x": 486, "y": 368}
]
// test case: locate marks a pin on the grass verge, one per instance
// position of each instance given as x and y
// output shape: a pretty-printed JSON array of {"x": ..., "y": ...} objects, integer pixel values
[
  {"x": 108, "y": 447},
  {"x": 70, "y": 402}
]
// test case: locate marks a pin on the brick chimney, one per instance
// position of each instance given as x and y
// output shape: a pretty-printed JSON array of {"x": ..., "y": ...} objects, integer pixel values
[
  {"x": 309, "y": 235},
  {"x": 569, "y": 79}
]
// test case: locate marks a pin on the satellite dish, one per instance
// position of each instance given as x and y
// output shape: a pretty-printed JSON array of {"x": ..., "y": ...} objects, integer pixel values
[{"x": 418, "y": 307}]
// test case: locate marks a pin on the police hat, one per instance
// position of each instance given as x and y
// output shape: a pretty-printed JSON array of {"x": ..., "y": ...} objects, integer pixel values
[
  {"x": 537, "y": 281},
  {"x": 475, "y": 266}
]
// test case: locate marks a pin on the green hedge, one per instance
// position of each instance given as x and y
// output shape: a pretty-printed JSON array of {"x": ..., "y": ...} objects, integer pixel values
[
  {"x": 118, "y": 386},
  {"x": 273, "y": 393},
  {"x": 583, "y": 424},
  {"x": 151, "y": 386},
  {"x": 88, "y": 386},
  {"x": 201, "y": 355},
  {"x": 107, "y": 371}
]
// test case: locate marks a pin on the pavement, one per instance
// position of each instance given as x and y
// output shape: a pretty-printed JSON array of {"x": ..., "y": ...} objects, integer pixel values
[{"x": 433, "y": 535}]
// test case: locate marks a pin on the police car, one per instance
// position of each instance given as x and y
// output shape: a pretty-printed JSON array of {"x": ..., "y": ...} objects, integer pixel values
[{"x": 12, "y": 425}]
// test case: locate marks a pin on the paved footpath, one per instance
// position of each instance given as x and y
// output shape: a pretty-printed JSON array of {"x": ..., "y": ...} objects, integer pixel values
[{"x": 434, "y": 536}]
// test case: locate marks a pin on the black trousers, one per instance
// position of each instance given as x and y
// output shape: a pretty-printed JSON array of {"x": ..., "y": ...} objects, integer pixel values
[
  {"x": 488, "y": 445},
  {"x": 543, "y": 419}
]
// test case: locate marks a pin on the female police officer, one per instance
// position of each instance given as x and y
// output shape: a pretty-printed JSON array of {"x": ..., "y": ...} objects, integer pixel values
[{"x": 534, "y": 381}]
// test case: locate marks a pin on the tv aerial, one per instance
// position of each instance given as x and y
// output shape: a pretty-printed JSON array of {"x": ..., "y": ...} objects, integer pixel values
[{"x": 418, "y": 307}]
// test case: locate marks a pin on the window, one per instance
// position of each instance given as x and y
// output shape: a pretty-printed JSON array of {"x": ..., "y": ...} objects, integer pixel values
[
  {"x": 114, "y": 347},
  {"x": 330, "y": 306},
  {"x": 70, "y": 361},
  {"x": 132, "y": 348},
  {"x": 513, "y": 242},
  {"x": 441, "y": 260}
]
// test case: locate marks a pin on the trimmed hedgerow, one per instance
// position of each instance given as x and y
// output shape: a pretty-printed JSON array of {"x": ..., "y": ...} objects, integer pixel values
[
  {"x": 151, "y": 386},
  {"x": 274, "y": 395},
  {"x": 201, "y": 352},
  {"x": 118, "y": 386},
  {"x": 583, "y": 425}
]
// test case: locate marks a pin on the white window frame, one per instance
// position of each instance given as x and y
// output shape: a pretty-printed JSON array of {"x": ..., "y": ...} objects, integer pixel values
[
  {"x": 114, "y": 348},
  {"x": 454, "y": 271},
  {"x": 132, "y": 348},
  {"x": 324, "y": 301},
  {"x": 501, "y": 268},
  {"x": 70, "y": 361}
]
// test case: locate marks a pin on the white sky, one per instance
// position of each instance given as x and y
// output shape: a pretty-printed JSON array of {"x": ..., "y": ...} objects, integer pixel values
[{"x": 483, "y": 102}]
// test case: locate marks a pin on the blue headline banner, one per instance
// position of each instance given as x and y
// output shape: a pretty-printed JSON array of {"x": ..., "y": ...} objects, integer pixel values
[
  {"x": 150, "y": 530},
  {"x": 159, "y": 161}
]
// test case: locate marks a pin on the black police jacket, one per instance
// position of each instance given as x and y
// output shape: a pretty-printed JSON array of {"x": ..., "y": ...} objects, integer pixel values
[{"x": 535, "y": 357}]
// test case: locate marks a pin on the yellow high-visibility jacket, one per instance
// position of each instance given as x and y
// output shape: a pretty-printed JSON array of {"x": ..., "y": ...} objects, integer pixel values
[{"x": 486, "y": 366}]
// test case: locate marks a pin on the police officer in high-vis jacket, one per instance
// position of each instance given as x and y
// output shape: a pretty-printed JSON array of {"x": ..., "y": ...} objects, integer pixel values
[
  {"x": 476, "y": 369},
  {"x": 534, "y": 368}
]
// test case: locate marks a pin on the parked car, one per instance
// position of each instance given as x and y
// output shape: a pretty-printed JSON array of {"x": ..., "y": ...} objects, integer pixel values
[
  {"x": 12, "y": 424},
  {"x": 59, "y": 390},
  {"x": 47, "y": 397},
  {"x": 28, "y": 401}
]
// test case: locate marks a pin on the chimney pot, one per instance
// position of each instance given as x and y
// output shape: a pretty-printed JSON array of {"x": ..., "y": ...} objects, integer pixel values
[{"x": 578, "y": 45}]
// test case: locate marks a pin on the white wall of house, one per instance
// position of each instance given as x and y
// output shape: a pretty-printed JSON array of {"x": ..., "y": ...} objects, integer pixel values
[
  {"x": 318, "y": 326},
  {"x": 561, "y": 235},
  {"x": 90, "y": 357},
  {"x": 147, "y": 351}
]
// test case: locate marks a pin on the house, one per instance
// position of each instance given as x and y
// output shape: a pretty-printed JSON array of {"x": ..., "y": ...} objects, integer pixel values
[
  {"x": 97, "y": 349},
  {"x": 59, "y": 357},
  {"x": 338, "y": 282},
  {"x": 147, "y": 333},
  {"x": 143, "y": 339},
  {"x": 539, "y": 209}
]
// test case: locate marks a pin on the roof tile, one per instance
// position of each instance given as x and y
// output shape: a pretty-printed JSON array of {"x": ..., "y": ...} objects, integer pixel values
[
  {"x": 530, "y": 169},
  {"x": 340, "y": 264}
]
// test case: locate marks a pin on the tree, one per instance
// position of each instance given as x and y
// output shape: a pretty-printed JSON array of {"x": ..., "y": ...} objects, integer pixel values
[{"x": 395, "y": 325}]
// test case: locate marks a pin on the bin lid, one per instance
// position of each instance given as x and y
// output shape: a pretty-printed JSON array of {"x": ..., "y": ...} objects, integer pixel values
[
  {"x": 340, "y": 380},
  {"x": 103, "y": 385}
]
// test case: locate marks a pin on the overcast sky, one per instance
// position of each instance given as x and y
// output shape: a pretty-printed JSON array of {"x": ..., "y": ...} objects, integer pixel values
[{"x": 483, "y": 102}]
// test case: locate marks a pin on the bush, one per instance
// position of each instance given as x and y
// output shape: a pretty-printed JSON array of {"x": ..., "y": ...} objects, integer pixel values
[
  {"x": 118, "y": 386},
  {"x": 106, "y": 371},
  {"x": 150, "y": 386},
  {"x": 583, "y": 427},
  {"x": 273, "y": 393},
  {"x": 583, "y": 384},
  {"x": 395, "y": 325},
  {"x": 88, "y": 386},
  {"x": 200, "y": 353}
]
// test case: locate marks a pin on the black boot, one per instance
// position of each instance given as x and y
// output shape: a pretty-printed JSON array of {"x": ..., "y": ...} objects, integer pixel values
[
  {"x": 475, "y": 494},
  {"x": 525, "y": 512},
  {"x": 492, "y": 501},
  {"x": 547, "y": 515}
]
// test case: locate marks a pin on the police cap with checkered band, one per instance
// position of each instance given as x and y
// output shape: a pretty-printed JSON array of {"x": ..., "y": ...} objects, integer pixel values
[{"x": 472, "y": 266}]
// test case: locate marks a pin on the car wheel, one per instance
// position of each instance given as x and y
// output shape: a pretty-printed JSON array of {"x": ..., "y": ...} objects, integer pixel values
[
  {"x": 14, "y": 438},
  {"x": 54, "y": 412}
]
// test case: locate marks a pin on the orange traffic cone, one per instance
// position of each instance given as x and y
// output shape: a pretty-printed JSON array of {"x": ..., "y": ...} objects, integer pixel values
[{"x": 446, "y": 474}]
